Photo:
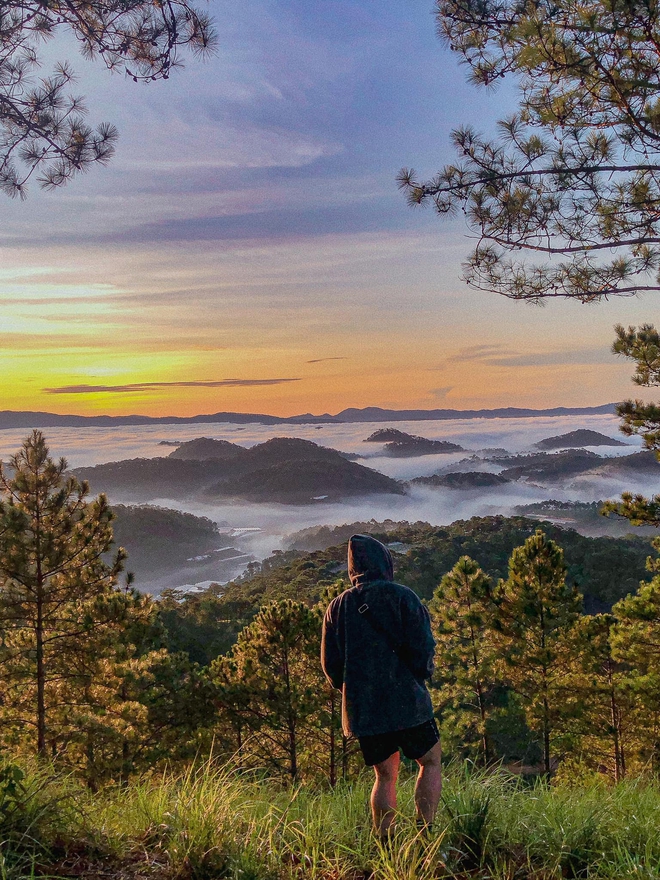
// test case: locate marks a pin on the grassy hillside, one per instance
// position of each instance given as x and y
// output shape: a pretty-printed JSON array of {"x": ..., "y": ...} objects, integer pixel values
[{"x": 213, "y": 822}]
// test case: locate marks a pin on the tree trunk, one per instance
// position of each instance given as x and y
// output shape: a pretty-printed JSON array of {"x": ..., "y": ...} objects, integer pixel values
[
  {"x": 546, "y": 707},
  {"x": 89, "y": 755},
  {"x": 619, "y": 770},
  {"x": 480, "y": 694},
  {"x": 293, "y": 751},
  {"x": 546, "y": 737},
  {"x": 41, "y": 670},
  {"x": 484, "y": 735}
]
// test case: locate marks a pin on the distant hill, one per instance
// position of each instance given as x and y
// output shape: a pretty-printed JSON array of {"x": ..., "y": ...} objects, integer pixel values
[
  {"x": 145, "y": 479},
  {"x": 402, "y": 445},
  {"x": 557, "y": 466},
  {"x": 550, "y": 466},
  {"x": 286, "y": 470},
  {"x": 204, "y": 448},
  {"x": 376, "y": 414},
  {"x": 386, "y": 435},
  {"x": 158, "y": 538},
  {"x": 625, "y": 465},
  {"x": 582, "y": 437},
  {"x": 32, "y": 419},
  {"x": 299, "y": 482},
  {"x": 296, "y": 471},
  {"x": 584, "y": 517},
  {"x": 462, "y": 480}
]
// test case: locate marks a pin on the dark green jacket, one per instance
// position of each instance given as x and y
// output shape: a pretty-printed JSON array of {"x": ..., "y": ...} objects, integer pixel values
[{"x": 383, "y": 690}]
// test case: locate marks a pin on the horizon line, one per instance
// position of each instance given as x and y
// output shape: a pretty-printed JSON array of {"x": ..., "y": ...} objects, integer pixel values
[{"x": 30, "y": 418}]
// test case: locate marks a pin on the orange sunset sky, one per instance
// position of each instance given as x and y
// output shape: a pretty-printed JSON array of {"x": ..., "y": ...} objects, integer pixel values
[{"x": 247, "y": 248}]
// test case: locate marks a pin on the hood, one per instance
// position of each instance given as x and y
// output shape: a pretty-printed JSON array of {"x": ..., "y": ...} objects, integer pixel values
[{"x": 368, "y": 560}]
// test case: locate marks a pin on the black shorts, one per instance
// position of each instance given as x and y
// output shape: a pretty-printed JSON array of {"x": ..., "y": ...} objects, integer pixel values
[{"x": 414, "y": 742}]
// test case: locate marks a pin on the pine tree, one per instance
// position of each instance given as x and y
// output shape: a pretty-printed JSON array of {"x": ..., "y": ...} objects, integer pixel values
[
  {"x": 636, "y": 643},
  {"x": 62, "y": 612},
  {"x": 642, "y": 346},
  {"x": 43, "y": 131},
  {"x": 536, "y": 609},
  {"x": 563, "y": 202},
  {"x": 272, "y": 687},
  {"x": 461, "y": 614},
  {"x": 603, "y": 720}
]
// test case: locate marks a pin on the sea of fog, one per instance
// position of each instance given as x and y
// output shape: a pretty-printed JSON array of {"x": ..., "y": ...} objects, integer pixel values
[{"x": 440, "y": 506}]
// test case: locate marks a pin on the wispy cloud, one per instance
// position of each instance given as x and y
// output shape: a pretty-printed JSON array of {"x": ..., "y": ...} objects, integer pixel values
[
  {"x": 155, "y": 386},
  {"x": 321, "y": 360},
  {"x": 479, "y": 353},
  {"x": 495, "y": 355},
  {"x": 441, "y": 393},
  {"x": 548, "y": 358}
]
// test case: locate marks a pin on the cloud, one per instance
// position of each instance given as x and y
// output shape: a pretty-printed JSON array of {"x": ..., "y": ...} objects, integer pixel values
[
  {"x": 441, "y": 393},
  {"x": 547, "y": 358},
  {"x": 478, "y": 353},
  {"x": 154, "y": 386},
  {"x": 321, "y": 360},
  {"x": 495, "y": 355},
  {"x": 26, "y": 343}
]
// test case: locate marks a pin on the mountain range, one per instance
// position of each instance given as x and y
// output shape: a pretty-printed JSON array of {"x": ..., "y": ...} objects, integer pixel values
[{"x": 28, "y": 419}]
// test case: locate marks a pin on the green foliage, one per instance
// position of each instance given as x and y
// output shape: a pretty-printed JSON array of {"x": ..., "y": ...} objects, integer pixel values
[
  {"x": 36, "y": 809},
  {"x": 604, "y": 569},
  {"x": 535, "y": 610},
  {"x": 642, "y": 346},
  {"x": 84, "y": 680},
  {"x": 603, "y": 722},
  {"x": 571, "y": 181},
  {"x": 203, "y": 625},
  {"x": 61, "y": 609},
  {"x": 461, "y": 617},
  {"x": 272, "y": 688}
]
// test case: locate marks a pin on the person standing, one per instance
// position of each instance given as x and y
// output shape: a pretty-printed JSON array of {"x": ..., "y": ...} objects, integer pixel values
[{"x": 377, "y": 648}]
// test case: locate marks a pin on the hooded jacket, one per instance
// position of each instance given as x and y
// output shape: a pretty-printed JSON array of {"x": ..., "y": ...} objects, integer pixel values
[{"x": 383, "y": 689}]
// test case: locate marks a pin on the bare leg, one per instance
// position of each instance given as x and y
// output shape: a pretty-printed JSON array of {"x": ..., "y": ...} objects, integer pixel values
[
  {"x": 383, "y": 794},
  {"x": 429, "y": 785}
]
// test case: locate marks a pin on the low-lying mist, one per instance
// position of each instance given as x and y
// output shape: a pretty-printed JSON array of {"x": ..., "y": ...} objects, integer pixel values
[{"x": 437, "y": 505}]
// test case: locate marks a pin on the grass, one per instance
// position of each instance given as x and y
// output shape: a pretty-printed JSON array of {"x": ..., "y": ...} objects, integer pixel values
[{"x": 214, "y": 823}]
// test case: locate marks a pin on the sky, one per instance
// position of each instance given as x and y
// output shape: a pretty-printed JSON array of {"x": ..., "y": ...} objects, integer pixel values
[{"x": 247, "y": 248}]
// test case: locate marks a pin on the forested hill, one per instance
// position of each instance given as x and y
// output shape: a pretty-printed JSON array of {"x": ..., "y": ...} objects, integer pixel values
[{"x": 604, "y": 569}]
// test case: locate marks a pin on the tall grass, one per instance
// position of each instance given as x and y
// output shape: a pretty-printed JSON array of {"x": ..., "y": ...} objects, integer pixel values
[
  {"x": 36, "y": 811},
  {"x": 213, "y": 822}
]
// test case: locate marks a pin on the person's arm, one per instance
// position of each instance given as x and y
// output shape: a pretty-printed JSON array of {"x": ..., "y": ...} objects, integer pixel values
[
  {"x": 332, "y": 657},
  {"x": 418, "y": 642}
]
